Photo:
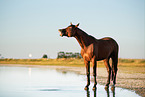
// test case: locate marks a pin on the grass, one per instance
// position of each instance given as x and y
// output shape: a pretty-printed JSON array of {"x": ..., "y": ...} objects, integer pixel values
[
  {"x": 61, "y": 62},
  {"x": 71, "y": 62},
  {"x": 132, "y": 62}
]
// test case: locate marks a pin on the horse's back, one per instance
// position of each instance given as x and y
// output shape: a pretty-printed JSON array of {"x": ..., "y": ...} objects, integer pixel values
[
  {"x": 112, "y": 43},
  {"x": 109, "y": 40},
  {"x": 106, "y": 47}
]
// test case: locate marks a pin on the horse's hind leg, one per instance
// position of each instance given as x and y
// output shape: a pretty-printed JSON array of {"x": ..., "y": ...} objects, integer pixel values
[
  {"x": 106, "y": 62},
  {"x": 114, "y": 69},
  {"x": 112, "y": 77}
]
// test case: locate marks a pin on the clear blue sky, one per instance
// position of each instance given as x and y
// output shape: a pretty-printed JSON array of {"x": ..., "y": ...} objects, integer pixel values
[{"x": 31, "y": 26}]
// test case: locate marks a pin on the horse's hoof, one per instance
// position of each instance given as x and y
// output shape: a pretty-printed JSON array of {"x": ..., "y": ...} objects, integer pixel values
[
  {"x": 106, "y": 88},
  {"x": 86, "y": 88},
  {"x": 94, "y": 88},
  {"x": 113, "y": 88}
]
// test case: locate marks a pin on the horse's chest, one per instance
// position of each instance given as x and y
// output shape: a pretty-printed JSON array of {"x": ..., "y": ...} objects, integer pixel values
[
  {"x": 87, "y": 57},
  {"x": 87, "y": 54}
]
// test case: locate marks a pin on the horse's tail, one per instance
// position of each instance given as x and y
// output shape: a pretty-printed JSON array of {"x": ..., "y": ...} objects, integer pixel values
[{"x": 114, "y": 61}]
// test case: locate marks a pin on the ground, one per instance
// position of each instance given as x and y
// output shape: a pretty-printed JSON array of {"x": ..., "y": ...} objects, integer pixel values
[
  {"x": 130, "y": 75},
  {"x": 126, "y": 78}
]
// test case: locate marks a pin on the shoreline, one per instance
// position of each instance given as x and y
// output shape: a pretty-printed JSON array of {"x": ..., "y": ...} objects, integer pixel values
[{"x": 125, "y": 79}]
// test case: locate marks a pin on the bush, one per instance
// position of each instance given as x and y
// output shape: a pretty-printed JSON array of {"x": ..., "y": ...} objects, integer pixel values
[{"x": 44, "y": 56}]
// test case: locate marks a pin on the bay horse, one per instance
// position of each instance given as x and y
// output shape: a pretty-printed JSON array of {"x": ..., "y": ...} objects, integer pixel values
[{"x": 93, "y": 50}]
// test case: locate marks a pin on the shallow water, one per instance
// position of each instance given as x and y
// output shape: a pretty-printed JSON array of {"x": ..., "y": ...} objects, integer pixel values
[{"x": 45, "y": 82}]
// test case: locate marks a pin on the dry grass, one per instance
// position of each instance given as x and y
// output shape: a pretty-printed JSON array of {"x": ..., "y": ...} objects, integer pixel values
[{"x": 71, "y": 62}]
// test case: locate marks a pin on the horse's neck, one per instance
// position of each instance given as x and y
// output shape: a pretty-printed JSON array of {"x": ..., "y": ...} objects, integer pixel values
[{"x": 83, "y": 38}]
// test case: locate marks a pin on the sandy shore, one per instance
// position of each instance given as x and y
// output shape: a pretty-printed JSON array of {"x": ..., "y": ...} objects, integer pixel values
[{"x": 127, "y": 77}]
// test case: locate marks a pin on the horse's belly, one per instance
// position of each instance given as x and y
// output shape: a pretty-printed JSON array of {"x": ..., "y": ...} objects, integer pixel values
[
  {"x": 103, "y": 54},
  {"x": 98, "y": 59}
]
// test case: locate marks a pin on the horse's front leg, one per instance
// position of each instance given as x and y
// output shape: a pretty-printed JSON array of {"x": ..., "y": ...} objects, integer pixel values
[
  {"x": 87, "y": 64},
  {"x": 94, "y": 73}
]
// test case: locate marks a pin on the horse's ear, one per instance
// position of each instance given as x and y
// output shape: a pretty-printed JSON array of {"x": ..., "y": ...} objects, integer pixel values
[
  {"x": 70, "y": 23},
  {"x": 77, "y": 25}
]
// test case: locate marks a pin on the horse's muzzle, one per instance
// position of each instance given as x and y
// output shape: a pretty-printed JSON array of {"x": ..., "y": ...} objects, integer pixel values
[{"x": 61, "y": 32}]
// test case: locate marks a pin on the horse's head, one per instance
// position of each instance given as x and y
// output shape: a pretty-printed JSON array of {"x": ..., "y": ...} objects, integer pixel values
[{"x": 69, "y": 31}]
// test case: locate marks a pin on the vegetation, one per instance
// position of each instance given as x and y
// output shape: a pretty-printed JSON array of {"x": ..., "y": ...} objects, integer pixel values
[
  {"x": 68, "y": 55},
  {"x": 71, "y": 62},
  {"x": 44, "y": 56}
]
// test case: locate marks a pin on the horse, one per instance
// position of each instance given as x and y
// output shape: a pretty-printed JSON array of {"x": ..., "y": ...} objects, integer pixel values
[{"x": 93, "y": 50}]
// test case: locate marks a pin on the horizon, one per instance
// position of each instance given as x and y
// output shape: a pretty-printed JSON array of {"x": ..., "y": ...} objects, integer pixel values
[{"x": 30, "y": 28}]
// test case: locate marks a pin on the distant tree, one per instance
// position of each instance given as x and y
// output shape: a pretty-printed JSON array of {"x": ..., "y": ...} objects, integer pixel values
[
  {"x": 44, "y": 56},
  {"x": 79, "y": 57},
  {"x": 61, "y": 55}
]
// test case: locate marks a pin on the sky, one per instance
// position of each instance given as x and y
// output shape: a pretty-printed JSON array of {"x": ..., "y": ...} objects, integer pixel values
[{"x": 30, "y": 27}]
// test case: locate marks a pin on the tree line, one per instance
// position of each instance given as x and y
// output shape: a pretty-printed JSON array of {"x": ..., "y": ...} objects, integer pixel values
[
  {"x": 61, "y": 54},
  {"x": 68, "y": 55}
]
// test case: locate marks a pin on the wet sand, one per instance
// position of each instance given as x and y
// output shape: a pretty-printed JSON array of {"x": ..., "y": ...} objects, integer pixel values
[
  {"x": 132, "y": 78},
  {"x": 126, "y": 77}
]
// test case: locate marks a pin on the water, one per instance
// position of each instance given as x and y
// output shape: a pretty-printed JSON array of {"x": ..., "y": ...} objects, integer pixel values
[{"x": 45, "y": 82}]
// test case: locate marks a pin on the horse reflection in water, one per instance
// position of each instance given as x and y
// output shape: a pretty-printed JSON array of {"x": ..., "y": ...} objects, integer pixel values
[
  {"x": 93, "y": 50},
  {"x": 88, "y": 93},
  {"x": 107, "y": 92}
]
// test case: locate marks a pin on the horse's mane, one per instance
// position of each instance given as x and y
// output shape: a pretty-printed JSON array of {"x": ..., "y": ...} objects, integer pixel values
[{"x": 85, "y": 34}]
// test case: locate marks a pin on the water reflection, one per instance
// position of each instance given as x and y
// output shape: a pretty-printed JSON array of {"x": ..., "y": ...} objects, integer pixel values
[
  {"x": 45, "y": 82},
  {"x": 107, "y": 92},
  {"x": 29, "y": 72},
  {"x": 88, "y": 93},
  {"x": 49, "y": 89}
]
